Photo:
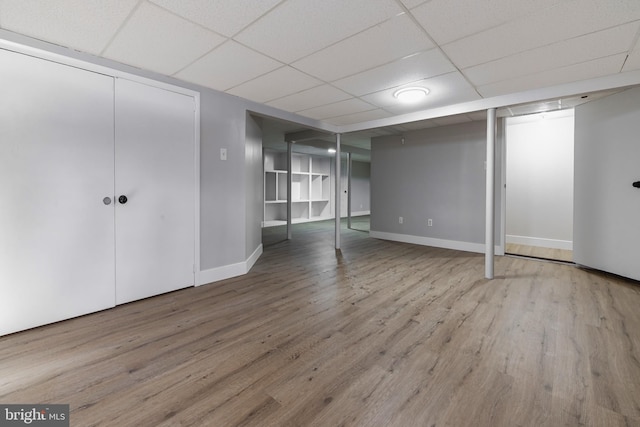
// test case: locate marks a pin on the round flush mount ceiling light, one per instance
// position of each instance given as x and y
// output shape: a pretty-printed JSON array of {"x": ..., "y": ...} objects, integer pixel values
[{"x": 411, "y": 94}]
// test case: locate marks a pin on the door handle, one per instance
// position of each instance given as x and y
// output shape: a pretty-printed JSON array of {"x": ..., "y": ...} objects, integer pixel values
[
  {"x": 122, "y": 199},
  {"x": 636, "y": 184},
  {"x": 106, "y": 200}
]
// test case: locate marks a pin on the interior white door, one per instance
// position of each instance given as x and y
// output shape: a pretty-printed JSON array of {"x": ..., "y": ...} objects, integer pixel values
[
  {"x": 155, "y": 171},
  {"x": 56, "y": 166},
  {"x": 607, "y": 205}
]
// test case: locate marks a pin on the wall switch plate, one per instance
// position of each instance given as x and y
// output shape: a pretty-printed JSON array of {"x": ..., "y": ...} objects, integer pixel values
[
  {"x": 430, "y": 222},
  {"x": 400, "y": 220},
  {"x": 223, "y": 154}
]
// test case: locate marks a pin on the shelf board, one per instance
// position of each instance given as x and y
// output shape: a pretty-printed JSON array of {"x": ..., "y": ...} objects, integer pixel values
[
  {"x": 320, "y": 200},
  {"x": 275, "y": 201},
  {"x": 276, "y": 171},
  {"x": 273, "y": 223}
]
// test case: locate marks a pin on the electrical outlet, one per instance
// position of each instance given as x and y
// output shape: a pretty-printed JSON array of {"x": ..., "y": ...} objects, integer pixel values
[
  {"x": 400, "y": 220},
  {"x": 430, "y": 222},
  {"x": 223, "y": 154}
]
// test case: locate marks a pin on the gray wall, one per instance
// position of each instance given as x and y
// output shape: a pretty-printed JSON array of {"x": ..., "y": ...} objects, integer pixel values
[
  {"x": 436, "y": 173},
  {"x": 360, "y": 188},
  {"x": 222, "y": 196}
]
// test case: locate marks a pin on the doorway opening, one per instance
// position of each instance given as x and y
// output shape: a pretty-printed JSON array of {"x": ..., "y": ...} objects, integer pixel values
[{"x": 539, "y": 185}]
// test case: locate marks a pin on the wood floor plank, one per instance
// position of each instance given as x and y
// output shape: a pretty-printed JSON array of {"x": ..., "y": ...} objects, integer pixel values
[{"x": 379, "y": 333}]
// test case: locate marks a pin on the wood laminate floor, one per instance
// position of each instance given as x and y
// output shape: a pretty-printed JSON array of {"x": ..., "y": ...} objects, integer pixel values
[{"x": 379, "y": 334}]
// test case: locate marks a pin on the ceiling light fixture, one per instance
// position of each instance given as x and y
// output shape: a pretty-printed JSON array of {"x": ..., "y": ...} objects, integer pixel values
[
  {"x": 331, "y": 150},
  {"x": 411, "y": 94}
]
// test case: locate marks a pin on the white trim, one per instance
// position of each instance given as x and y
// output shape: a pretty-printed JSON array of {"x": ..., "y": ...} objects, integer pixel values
[
  {"x": 196, "y": 278},
  {"x": 229, "y": 271},
  {"x": 253, "y": 258},
  {"x": 360, "y": 213},
  {"x": 541, "y": 242},
  {"x": 431, "y": 241},
  {"x": 503, "y": 184}
]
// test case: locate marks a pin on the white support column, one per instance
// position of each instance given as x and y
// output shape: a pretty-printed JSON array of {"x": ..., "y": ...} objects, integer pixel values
[
  {"x": 338, "y": 191},
  {"x": 349, "y": 170},
  {"x": 490, "y": 195},
  {"x": 289, "y": 180}
]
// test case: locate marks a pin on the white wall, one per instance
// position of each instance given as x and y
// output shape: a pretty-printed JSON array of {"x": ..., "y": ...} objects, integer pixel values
[
  {"x": 539, "y": 178},
  {"x": 435, "y": 173}
]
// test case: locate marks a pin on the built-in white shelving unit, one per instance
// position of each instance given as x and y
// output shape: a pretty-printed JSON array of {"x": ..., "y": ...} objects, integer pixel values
[{"x": 310, "y": 188}]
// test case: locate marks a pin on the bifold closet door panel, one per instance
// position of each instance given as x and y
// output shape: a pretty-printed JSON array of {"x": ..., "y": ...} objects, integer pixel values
[
  {"x": 155, "y": 171},
  {"x": 56, "y": 167}
]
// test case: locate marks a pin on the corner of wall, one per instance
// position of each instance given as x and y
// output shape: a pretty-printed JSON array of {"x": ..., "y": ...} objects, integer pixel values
[{"x": 228, "y": 271}]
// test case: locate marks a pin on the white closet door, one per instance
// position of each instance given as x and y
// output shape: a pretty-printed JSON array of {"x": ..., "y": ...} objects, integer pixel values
[
  {"x": 155, "y": 167},
  {"x": 56, "y": 166}
]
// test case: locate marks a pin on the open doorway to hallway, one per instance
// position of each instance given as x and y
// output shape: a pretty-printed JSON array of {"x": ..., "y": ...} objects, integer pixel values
[{"x": 539, "y": 185}]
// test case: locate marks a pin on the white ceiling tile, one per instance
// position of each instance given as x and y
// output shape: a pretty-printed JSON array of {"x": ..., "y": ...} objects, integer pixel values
[
  {"x": 566, "y": 20},
  {"x": 228, "y": 65},
  {"x": 226, "y": 17},
  {"x": 276, "y": 84},
  {"x": 580, "y": 49},
  {"x": 364, "y": 116},
  {"x": 310, "y": 98},
  {"x": 586, "y": 70},
  {"x": 409, "y": 69},
  {"x": 633, "y": 61},
  {"x": 447, "y": 20},
  {"x": 449, "y": 88},
  {"x": 88, "y": 28},
  {"x": 157, "y": 40},
  {"x": 297, "y": 28},
  {"x": 341, "y": 108},
  {"x": 378, "y": 45},
  {"x": 410, "y": 4}
]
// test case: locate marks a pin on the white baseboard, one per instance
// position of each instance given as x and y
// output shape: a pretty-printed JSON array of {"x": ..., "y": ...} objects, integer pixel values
[
  {"x": 431, "y": 241},
  {"x": 229, "y": 271},
  {"x": 253, "y": 258},
  {"x": 360, "y": 213},
  {"x": 541, "y": 242}
]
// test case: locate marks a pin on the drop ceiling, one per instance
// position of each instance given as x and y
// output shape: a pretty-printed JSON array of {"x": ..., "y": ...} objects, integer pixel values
[{"x": 340, "y": 61}]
